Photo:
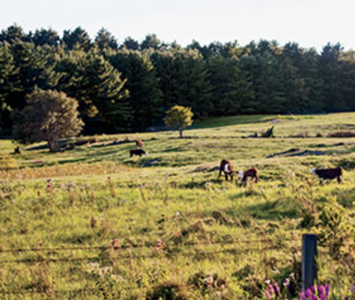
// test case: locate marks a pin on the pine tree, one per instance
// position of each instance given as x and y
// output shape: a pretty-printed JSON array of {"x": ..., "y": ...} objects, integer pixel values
[
  {"x": 105, "y": 40},
  {"x": 232, "y": 92},
  {"x": 14, "y": 33},
  {"x": 7, "y": 70},
  {"x": 46, "y": 37},
  {"x": 130, "y": 44},
  {"x": 35, "y": 68},
  {"x": 145, "y": 97},
  {"x": 151, "y": 41},
  {"x": 103, "y": 99},
  {"x": 78, "y": 39},
  {"x": 184, "y": 79},
  {"x": 330, "y": 72}
]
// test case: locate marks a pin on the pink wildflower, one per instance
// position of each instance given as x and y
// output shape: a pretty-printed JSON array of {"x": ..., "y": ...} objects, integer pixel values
[{"x": 267, "y": 294}]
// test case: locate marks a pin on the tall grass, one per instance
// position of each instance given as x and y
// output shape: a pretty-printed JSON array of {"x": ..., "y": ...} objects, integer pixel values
[{"x": 92, "y": 223}]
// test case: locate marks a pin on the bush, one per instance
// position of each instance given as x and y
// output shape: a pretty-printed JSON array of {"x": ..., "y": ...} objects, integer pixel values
[
  {"x": 168, "y": 290},
  {"x": 333, "y": 227}
]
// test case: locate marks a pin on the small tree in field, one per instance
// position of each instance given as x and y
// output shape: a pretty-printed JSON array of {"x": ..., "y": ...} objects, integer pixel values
[
  {"x": 179, "y": 117},
  {"x": 48, "y": 116}
]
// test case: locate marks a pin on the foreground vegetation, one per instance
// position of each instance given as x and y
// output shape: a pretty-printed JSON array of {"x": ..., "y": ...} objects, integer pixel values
[{"x": 100, "y": 225}]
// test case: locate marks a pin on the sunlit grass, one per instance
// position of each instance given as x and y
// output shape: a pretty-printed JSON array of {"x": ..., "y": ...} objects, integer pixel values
[{"x": 93, "y": 194}]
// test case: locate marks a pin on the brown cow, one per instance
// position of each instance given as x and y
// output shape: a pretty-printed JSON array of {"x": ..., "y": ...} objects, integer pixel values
[
  {"x": 227, "y": 168},
  {"x": 328, "y": 173},
  {"x": 251, "y": 173},
  {"x": 138, "y": 152},
  {"x": 139, "y": 144}
]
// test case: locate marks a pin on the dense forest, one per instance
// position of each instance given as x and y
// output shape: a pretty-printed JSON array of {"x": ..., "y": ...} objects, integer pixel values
[{"x": 129, "y": 86}]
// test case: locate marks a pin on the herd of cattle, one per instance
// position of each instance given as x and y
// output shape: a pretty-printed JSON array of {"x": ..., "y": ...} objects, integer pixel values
[
  {"x": 251, "y": 174},
  {"x": 227, "y": 168}
]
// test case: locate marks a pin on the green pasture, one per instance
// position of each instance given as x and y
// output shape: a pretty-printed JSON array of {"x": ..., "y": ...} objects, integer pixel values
[{"x": 219, "y": 240}]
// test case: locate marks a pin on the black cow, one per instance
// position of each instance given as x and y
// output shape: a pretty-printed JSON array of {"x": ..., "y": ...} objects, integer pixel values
[
  {"x": 138, "y": 152},
  {"x": 328, "y": 173}
]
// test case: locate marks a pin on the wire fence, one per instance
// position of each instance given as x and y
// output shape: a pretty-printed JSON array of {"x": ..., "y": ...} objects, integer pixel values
[
  {"x": 232, "y": 247},
  {"x": 153, "y": 255},
  {"x": 198, "y": 253},
  {"x": 126, "y": 247}
]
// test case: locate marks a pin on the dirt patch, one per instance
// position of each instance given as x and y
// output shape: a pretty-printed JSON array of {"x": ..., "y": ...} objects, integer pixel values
[
  {"x": 290, "y": 151},
  {"x": 216, "y": 168},
  {"x": 308, "y": 153},
  {"x": 200, "y": 169},
  {"x": 326, "y": 145},
  {"x": 152, "y": 162},
  {"x": 296, "y": 152}
]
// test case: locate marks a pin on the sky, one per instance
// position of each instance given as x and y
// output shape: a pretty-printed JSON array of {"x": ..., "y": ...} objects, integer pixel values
[{"x": 310, "y": 23}]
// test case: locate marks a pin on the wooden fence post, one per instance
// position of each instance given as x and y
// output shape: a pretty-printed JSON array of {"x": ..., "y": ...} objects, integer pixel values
[{"x": 309, "y": 263}]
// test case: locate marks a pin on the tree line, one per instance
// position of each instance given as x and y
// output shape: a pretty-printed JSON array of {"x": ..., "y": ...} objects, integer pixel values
[{"x": 128, "y": 87}]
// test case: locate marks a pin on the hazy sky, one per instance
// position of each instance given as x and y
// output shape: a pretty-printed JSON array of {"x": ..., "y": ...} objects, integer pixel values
[{"x": 311, "y": 23}]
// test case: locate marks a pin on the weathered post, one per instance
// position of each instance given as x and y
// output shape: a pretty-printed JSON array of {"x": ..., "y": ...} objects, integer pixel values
[{"x": 309, "y": 263}]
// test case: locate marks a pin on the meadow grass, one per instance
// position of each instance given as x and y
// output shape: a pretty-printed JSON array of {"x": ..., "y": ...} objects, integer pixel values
[{"x": 217, "y": 240}]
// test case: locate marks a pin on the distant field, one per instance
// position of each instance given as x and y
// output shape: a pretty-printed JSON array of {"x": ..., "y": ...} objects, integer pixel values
[{"x": 240, "y": 237}]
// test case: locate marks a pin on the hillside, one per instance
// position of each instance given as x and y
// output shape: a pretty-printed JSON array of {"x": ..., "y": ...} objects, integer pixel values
[{"x": 68, "y": 208}]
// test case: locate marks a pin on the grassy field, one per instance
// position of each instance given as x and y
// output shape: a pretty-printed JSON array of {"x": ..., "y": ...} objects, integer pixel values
[{"x": 180, "y": 232}]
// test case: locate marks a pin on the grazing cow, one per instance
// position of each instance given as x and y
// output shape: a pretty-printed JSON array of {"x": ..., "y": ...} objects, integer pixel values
[
  {"x": 139, "y": 152},
  {"x": 251, "y": 173},
  {"x": 139, "y": 144},
  {"x": 227, "y": 168},
  {"x": 328, "y": 173}
]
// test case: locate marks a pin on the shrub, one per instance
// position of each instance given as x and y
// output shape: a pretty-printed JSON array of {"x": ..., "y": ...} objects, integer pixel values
[
  {"x": 168, "y": 290},
  {"x": 333, "y": 227}
]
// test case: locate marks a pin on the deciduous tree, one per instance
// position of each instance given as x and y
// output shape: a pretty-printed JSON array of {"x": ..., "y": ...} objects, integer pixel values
[
  {"x": 179, "y": 117},
  {"x": 48, "y": 116}
]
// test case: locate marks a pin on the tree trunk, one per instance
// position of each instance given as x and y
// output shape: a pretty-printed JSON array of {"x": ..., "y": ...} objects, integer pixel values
[
  {"x": 180, "y": 133},
  {"x": 52, "y": 146}
]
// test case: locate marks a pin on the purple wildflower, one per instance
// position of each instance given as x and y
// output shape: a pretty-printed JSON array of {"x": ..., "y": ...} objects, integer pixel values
[
  {"x": 303, "y": 296},
  {"x": 314, "y": 297},
  {"x": 267, "y": 294},
  {"x": 287, "y": 283},
  {"x": 327, "y": 289},
  {"x": 271, "y": 288},
  {"x": 346, "y": 298},
  {"x": 322, "y": 297},
  {"x": 313, "y": 289},
  {"x": 277, "y": 287},
  {"x": 320, "y": 290},
  {"x": 309, "y": 293}
]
